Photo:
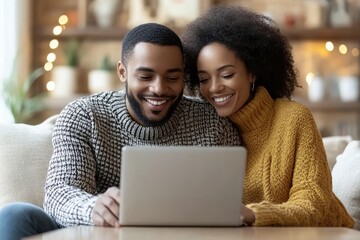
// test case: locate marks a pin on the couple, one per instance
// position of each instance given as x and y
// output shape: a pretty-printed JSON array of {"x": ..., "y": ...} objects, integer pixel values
[{"x": 240, "y": 64}]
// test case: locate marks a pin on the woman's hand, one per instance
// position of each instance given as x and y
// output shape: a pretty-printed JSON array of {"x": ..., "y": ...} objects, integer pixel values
[
  {"x": 106, "y": 209},
  {"x": 248, "y": 215}
]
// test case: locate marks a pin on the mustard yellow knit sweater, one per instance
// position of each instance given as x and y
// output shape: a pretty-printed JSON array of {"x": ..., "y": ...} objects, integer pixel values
[{"x": 288, "y": 181}]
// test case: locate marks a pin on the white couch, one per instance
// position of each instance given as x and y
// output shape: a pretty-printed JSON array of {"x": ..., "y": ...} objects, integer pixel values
[{"x": 25, "y": 151}]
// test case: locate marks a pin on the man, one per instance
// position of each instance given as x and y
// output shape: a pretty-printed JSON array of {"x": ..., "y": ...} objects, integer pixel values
[{"x": 84, "y": 171}]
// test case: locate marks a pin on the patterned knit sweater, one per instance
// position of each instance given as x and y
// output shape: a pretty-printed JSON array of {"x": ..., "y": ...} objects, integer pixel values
[
  {"x": 288, "y": 181},
  {"x": 88, "y": 138}
]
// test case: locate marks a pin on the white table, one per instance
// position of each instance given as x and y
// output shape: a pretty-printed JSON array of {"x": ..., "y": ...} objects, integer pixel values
[{"x": 182, "y": 233}]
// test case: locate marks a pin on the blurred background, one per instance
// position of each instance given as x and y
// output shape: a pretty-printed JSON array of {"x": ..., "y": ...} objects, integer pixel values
[{"x": 53, "y": 52}]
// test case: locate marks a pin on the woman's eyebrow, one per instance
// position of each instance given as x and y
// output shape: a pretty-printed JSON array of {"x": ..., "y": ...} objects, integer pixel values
[{"x": 218, "y": 69}]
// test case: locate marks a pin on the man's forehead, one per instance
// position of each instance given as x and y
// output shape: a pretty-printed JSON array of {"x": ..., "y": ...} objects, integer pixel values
[{"x": 147, "y": 56}]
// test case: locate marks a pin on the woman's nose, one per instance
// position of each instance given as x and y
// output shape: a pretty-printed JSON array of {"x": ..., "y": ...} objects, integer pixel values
[{"x": 215, "y": 85}]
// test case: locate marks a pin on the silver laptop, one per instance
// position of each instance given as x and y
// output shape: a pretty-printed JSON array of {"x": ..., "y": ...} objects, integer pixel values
[{"x": 181, "y": 186}]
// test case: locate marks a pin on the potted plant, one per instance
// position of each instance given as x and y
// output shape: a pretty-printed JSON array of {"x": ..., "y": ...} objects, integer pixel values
[
  {"x": 17, "y": 96},
  {"x": 102, "y": 79},
  {"x": 65, "y": 76}
]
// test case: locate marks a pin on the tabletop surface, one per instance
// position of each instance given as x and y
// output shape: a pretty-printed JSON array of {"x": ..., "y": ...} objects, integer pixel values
[{"x": 194, "y": 233}]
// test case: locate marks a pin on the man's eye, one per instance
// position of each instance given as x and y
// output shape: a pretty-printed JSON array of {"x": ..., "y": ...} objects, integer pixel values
[
  {"x": 145, "y": 77},
  {"x": 173, "y": 78}
]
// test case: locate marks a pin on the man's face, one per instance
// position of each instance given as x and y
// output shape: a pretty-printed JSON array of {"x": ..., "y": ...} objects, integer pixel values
[{"x": 154, "y": 82}]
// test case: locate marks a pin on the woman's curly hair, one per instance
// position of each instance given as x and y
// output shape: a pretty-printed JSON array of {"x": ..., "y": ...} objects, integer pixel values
[{"x": 255, "y": 40}]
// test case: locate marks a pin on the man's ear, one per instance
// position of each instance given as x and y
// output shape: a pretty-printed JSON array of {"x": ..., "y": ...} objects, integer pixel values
[{"x": 121, "y": 71}]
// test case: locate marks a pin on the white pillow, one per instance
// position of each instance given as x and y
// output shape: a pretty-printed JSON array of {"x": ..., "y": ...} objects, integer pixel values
[
  {"x": 334, "y": 146},
  {"x": 346, "y": 180},
  {"x": 25, "y": 151}
]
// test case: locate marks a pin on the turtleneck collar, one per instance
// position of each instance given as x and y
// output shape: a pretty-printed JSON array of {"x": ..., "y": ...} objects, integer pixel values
[
  {"x": 256, "y": 114},
  {"x": 138, "y": 131}
]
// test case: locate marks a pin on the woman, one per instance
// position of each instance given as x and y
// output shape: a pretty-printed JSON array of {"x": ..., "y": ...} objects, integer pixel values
[{"x": 243, "y": 66}]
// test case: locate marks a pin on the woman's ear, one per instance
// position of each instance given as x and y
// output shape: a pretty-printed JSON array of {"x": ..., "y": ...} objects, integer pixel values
[
  {"x": 121, "y": 71},
  {"x": 253, "y": 78}
]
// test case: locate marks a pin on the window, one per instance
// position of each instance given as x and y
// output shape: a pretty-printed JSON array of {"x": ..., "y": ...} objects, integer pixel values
[{"x": 7, "y": 49}]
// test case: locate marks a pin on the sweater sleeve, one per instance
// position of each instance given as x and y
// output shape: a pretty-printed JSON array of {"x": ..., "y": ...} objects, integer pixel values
[
  {"x": 311, "y": 201},
  {"x": 70, "y": 185}
]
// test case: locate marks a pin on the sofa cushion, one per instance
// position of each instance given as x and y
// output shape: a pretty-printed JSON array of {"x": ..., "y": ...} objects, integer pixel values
[
  {"x": 334, "y": 146},
  {"x": 25, "y": 151},
  {"x": 346, "y": 180}
]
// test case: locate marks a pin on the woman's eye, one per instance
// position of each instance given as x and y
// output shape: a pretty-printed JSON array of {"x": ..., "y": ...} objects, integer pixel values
[
  {"x": 227, "y": 76},
  {"x": 203, "y": 80}
]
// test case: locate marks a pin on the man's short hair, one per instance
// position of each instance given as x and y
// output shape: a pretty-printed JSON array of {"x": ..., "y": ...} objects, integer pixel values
[{"x": 149, "y": 33}]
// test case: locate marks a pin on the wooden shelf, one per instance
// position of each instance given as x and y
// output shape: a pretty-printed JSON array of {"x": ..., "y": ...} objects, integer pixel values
[
  {"x": 331, "y": 105},
  {"x": 89, "y": 33},
  {"x": 93, "y": 32},
  {"x": 325, "y": 33}
]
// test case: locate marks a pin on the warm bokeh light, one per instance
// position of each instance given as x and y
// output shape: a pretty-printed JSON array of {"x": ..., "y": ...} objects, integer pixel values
[
  {"x": 48, "y": 66},
  {"x": 51, "y": 57},
  {"x": 50, "y": 86},
  {"x": 309, "y": 77},
  {"x": 54, "y": 44},
  {"x": 329, "y": 46},
  {"x": 63, "y": 19},
  {"x": 355, "y": 52},
  {"x": 57, "y": 30},
  {"x": 343, "y": 49}
]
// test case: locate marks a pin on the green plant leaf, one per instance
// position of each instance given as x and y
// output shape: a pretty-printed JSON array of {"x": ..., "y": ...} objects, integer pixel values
[
  {"x": 71, "y": 51},
  {"x": 31, "y": 79},
  {"x": 15, "y": 92},
  {"x": 106, "y": 64}
]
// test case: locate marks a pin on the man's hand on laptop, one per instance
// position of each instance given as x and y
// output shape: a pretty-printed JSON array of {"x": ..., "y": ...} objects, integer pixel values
[{"x": 106, "y": 209}]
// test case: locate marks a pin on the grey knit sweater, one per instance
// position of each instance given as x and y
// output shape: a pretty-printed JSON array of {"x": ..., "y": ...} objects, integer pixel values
[{"x": 88, "y": 138}]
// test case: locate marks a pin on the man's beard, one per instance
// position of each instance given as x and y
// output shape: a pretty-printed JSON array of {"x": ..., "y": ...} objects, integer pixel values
[{"x": 135, "y": 105}]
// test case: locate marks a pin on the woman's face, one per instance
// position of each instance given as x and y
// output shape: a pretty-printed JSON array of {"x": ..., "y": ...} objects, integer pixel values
[{"x": 224, "y": 79}]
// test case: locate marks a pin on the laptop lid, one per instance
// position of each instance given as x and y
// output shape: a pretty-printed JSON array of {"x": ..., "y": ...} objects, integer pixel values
[{"x": 181, "y": 185}]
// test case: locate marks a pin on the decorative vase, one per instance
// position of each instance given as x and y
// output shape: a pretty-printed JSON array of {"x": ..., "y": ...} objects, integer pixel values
[
  {"x": 349, "y": 88},
  {"x": 339, "y": 14},
  {"x": 65, "y": 80},
  {"x": 101, "y": 81},
  {"x": 104, "y": 11},
  {"x": 316, "y": 90}
]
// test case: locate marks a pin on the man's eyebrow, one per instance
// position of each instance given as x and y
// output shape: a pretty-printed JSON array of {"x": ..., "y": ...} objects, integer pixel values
[
  {"x": 144, "y": 69},
  {"x": 173, "y": 70}
]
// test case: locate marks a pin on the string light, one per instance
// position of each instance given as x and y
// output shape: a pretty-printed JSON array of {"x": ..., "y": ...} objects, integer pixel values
[
  {"x": 51, "y": 57},
  {"x": 53, "y": 44},
  {"x": 50, "y": 86},
  {"x": 48, "y": 66},
  {"x": 329, "y": 46},
  {"x": 309, "y": 77},
  {"x": 355, "y": 52},
  {"x": 343, "y": 49},
  {"x": 63, "y": 19},
  {"x": 57, "y": 30}
]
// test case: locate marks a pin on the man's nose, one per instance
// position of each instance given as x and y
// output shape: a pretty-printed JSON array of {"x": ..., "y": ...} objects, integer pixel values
[{"x": 159, "y": 86}]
